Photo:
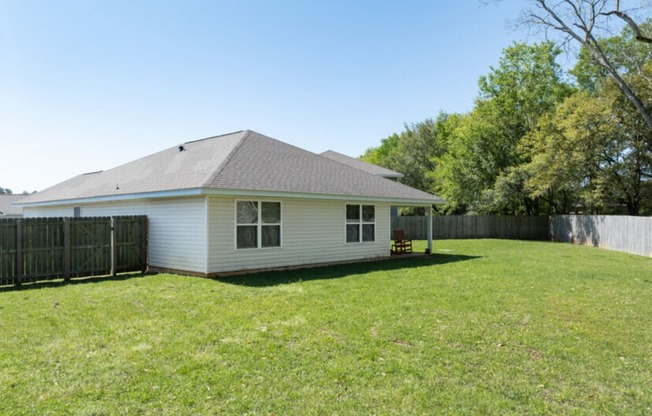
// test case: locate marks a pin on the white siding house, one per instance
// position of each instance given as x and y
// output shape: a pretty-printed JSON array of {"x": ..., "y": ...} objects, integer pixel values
[
  {"x": 313, "y": 231},
  {"x": 239, "y": 202}
]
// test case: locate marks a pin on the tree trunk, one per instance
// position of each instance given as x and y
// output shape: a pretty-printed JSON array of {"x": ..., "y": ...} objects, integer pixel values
[{"x": 584, "y": 19}]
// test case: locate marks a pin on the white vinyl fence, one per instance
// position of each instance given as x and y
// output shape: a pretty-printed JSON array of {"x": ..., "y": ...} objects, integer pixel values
[{"x": 619, "y": 233}]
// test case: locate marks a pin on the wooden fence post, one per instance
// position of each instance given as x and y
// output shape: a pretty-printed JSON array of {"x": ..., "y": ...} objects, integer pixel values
[
  {"x": 429, "y": 233},
  {"x": 19, "y": 252},
  {"x": 142, "y": 234},
  {"x": 113, "y": 248},
  {"x": 66, "y": 249}
]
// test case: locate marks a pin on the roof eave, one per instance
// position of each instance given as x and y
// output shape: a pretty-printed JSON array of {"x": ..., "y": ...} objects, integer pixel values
[
  {"x": 231, "y": 192},
  {"x": 337, "y": 197},
  {"x": 114, "y": 198}
]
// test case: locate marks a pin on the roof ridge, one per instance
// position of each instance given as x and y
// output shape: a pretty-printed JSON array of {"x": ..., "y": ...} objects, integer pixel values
[
  {"x": 215, "y": 137},
  {"x": 346, "y": 162},
  {"x": 228, "y": 159}
]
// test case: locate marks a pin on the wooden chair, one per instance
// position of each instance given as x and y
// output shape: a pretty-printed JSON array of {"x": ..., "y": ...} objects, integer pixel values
[{"x": 401, "y": 245}]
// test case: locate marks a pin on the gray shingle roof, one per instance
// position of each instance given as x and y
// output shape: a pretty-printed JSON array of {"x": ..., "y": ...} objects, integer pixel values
[
  {"x": 6, "y": 208},
  {"x": 359, "y": 164},
  {"x": 244, "y": 161}
]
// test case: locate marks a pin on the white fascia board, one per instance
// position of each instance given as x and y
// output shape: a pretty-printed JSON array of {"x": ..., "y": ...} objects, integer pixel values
[
  {"x": 229, "y": 192},
  {"x": 298, "y": 195},
  {"x": 115, "y": 198}
]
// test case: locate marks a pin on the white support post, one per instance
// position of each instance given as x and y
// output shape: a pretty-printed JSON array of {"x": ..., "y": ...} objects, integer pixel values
[{"x": 429, "y": 210}]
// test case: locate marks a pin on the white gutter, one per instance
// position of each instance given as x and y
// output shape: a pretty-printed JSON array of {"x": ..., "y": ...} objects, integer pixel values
[
  {"x": 230, "y": 192},
  {"x": 112, "y": 198}
]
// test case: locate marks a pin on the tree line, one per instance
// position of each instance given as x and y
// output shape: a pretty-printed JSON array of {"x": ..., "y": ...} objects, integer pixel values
[
  {"x": 541, "y": 139},
  {"x": 7, "y": 191}
]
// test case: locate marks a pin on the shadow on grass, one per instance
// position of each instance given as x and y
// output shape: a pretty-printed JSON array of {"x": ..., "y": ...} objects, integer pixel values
[
  {"x": 274, "y": 278},
  {"x": 270, "y": 278},
  {"x": 27, "y": 285}
]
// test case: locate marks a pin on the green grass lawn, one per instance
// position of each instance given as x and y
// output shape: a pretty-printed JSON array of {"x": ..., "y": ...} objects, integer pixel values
[{"x": 481, "y": 327}]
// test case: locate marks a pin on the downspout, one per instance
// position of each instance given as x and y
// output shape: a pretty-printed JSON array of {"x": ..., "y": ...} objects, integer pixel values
[{"x": 207, "y": 230}]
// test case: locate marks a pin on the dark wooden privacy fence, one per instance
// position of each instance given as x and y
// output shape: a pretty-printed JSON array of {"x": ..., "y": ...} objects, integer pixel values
[
  {"x": 474, "y": 226},
  {"x": 34, "y": 249},
  {"x": 622, "y": 233}
]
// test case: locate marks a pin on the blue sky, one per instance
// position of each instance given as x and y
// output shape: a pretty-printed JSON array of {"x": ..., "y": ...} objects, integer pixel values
[{"x": 89, "y": 85}]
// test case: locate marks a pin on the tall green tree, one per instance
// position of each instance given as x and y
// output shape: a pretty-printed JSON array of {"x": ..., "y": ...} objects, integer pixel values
[
  {"x": 527, "y": 84},
  {"x": 469, "y": 165},
  {"x": 629, "y": 168},
  {"x": 591, "y": 154},
  {"x": 582, "y": 22},
  {"x": 565, "y": 150},
  {"x": 536, "y": 143},
  {"x": 411, "y": 152},
  {"x": 626, "y": 54},
  {"x": 381, "y": 155}
]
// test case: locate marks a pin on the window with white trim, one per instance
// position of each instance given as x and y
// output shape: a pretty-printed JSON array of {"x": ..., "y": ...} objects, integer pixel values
[
  {"x": 257, "y": 224},
  {"x": 360, "y": 223}
]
